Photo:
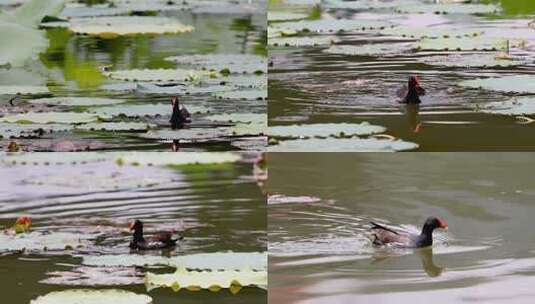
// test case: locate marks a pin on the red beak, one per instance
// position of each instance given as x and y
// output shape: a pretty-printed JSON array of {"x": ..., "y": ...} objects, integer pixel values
[
  {"x": 131, "y": 225},
  {"x": 442, "y": 224}
]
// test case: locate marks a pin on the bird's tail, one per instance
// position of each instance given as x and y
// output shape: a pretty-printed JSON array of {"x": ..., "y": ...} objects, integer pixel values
[{"x": 378, "y": 226}]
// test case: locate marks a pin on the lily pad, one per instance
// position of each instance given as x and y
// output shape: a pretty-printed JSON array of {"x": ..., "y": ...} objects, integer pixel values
[
  {"x": 343, "y": 145},
  {"x": 91, "y": 296},
  {"x": 257, "y": 94},
  {"x": 324, "y": 130},
  {"x": 302, "y": 41},
  {"x": 9, "y": 130},
  {"x": 38, "y": 242},
  {"x": 430, "y": 32},
  {"x": 59, "y": 158},
  {"x": 23, "y": 90},
  {"x": 376, "y": 49},
  {"x": 509, "y": 84},
  {"x": 448, "y": 8},
  {"x": 115, "y": 126},
  {"x": 156, "y": 88},
  {"x": 285, "y": 16},
  {"x": 53, "y": 117},
  {"x": 365, "y": 4},
  {"x": 462, "y": 44},
  {"x": 248, "y": 124},
  {"x": 111, "y": 27},
  {"x": 471, "y": 60},
  {"x": 278, "y": 199},
  {"x": 76, "y": 101},
  {"x": 204, "y": 261},
  {"x": 228, "y": 63},
  {"x": 516, "y": 107},
  {"x": 177, "y": 159},
  {"x": 95, "y": 276},
  {"x": 214, "y": 281},
  {"x": 241, "y": 81},
  {"x": 159, "y": 75},
  {"x": 238, "y": 117},
  {"x": 144, "y": 110},
  {"x": 194, "y": 134},
  {"x": 333, "y": 25}
]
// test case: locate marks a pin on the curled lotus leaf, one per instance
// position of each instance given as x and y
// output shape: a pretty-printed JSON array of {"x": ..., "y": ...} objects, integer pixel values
[
  {"x": 448, "y": 8},
  {"x": 214, "y": 281},
  {"x": 430, "y": 32},
  {"x": 285, "y": 16},
  {"x": 92, "y": 296},
  {"x": 159, "y": 75},
  {"x": 343, "y": 145},
  {"x": 176, "y": 159},
  {"x": 462, "y": 44},
  {"x": 333, "y": 25},
  {"x": 508, "y": 84},
  {"x": 472, "y": 60},
  {"x": 115, "y": 126},
  {"x": 10, "y": 130},
  {"x": 23, "y": 90},
  {"x": 76, "y": 101},
  {"x": 376, "y": 49},
  {"x": 53, "y": 117},
  {"x": 325, "y": 130},
  {"x": 253, "y": 94},
  {"x": 111, "y": 27},
  {"x": 232, "y": 63},
  {"x": 144, "y": 110},
  {"x": 302, "y": 41},
  {"x": 516, "y": 107}
]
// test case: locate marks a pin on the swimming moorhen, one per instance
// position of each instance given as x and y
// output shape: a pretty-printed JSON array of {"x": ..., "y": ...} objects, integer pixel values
[
  {"x": 384, "y": 235},
  {"x": 180, "y": 116},
  {"x": 411, "y": 93},
  {"x": 161, "y": 240}
]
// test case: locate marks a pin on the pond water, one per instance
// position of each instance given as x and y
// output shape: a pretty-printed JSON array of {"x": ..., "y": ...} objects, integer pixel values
[
  {"x": 217, "y": 208},
  {"x": 320, "y": 251},
  {"x": 75, "y": 65},
  {"x": 309, "y": 85}
]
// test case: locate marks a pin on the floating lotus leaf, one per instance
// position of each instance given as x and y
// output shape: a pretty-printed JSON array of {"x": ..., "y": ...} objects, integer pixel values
[
  {"x": 110, "y": 27},
  {"x": 9, "y": 130},
  {"x": 142, "y": 110},
  {"x": 76, "y": 101},
  {"x": 302, "y": 41},
  {"x": 375, "y": 49},
  {"x": 277, "y": 199},
  {"x": 343, "y": 145},
  {"x": 115, "y": 126},
  {"x": 257, "y": 143},
  {"x": 233, "y": 63},
  {"x": 249, "y": 124},
  {"x": 333, "y": 25},
  {"x": 324, "y": 130},
  {"x": 23, "y": 90},
  {"x": 471, "y": 60},
  {"x": 193, "y": 134},
  {"x": 25, "y": 43},
  {"x": 278, "y": 32},
  {"x": 32, "y": 12},
  {"x": 517, "y": 106},
  {"x": 259, "y": 94},
  {"x": 430, "y": 32},
  {"x": 59, "y": 158},
  {"x": 95, "y": 276},
  {"x": 229, "y": 7},
  {"x": 214, "y": 281},
  {"x": 205, "y": 261},
  {"x": 365, "y": 4},
  {"x": 462, "y": 44},
  {"x": 53, "y": 117},
  {"x": 285, "y": 16},
  {"x": 150, "y": 6},
  {"x": 509, "y": 84},
  {"x": 241, "y": 81},
  {"x": 238, "y": 117},
  {"x": 155, "y": 88},
  {"x": 448, "y": 8},
  {"x": 92, "y": 296},
  {"x": 76, "y": 10},
  {"x": 177, "y": 159},
  {"x": 159, "y": 75},
  {"x": 37, "y": 241}
]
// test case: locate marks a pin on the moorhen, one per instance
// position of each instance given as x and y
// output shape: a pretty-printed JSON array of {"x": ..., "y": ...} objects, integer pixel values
[
  {"x": 412, "y": 92},
  {"x": 384, "y": 235},
  {"x": 180, "y": 116},
  {"x": 161, "y": 240}
]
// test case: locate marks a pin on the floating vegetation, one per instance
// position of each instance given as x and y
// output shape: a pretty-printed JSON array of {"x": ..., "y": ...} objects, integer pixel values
[
  {"x": 278, "y": 199},
  {"x": 191, "y": 135},
  {"x": 143, "y": 110},
  {"x": 376, "y": 49},
  {"x": 303, "y": 41},
  {"x": 224, "y": 63},
  {"x": 430, "y": 32},
  {"x": 23, "y": 90},
  {"x": 324, "y": 130},
  {"x": 91, "y": 296},
  {"x": 176, "y": 159},
  {"x": 42, "y": 242},
  {"x": 76, "y": 101},
  {"x": 343, "y": 145},
  {"x": 160, "y": 75},
  {"x": 243, "y": 95},
  {"x": 472, "y": 60},
  {"x": 53, "y": 117},
  {"x": 517, "y": 107},
  {"x": 508, "y": 84},
  {"x": 285, "y": 16},
  {"x": 10, "y": 130},
  {"x": 333, "y": 25},
  {"x": 115, "y": 126},
  {"x": 447, "y": 8},
  {"x": 462, "y": 44}
]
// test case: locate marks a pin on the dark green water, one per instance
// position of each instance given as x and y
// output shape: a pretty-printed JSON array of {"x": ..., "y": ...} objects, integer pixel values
[{"x": 320, "y": 252}]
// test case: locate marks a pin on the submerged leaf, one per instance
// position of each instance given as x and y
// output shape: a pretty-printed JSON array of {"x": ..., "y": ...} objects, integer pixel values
[
  {"x": 324, "y": 130},
  {"x": 509, "y": 84},
  {"x": 343, "y": 145},
  {"x": 91, "y": 296}
]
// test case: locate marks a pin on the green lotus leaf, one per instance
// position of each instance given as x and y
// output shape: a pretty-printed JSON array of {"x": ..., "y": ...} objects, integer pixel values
[
  {"x": 238, "y": 117},
  {"x": 9, "y": 130},
  {"x": 23, "y": 90},
  {"x": 509, "y": 84},
  {"x": 38, "y": 242},
  {"x": 205, "y": 261},
  {"x": 115, "y": 126},
  {"x": 195, "y": 280},
  {"x": 193, "y": 134},
  {"x": 76, "y": 101},
  {"x": 144, "y": 110},
  {"x": 53, "y": 117},
  {"x": 518, "y": 106},
  {"x": 376, "y": 49},
  {"x": 229, "y": 63},
  {"x": 58, "y": 158},
  {"x": 159, "y": 75},
  {"x": 78, "y": 10},
  {"x": 366, "y": 4},
  {"x": 343, "y": 145},
  {"x": 278, "y": 32},
  {"x": 285, "y": 16},
  {"x": 176, "y": 159},
  {"x": 241, "y": 81},
  {"x": 471, "y": 60},
  {"x": 430, "y": 32},
  {"x": 254, "y": 94},
  {"x": 154, "y": 88},
  {"x": 229, "y": 7},
  {"x": 111, "y": 27},
  {"x": 325, "y": 130},
  {"x": 448, "y": 8},
  {"x": 333, "y": 25},
  {"x": 247, "y": 124},
  {"x": 462, "y": 44},
  {"x": 150, "y": 6},
  {"x": 92, "y": 296},
  {"x": 302, "y": 41}
]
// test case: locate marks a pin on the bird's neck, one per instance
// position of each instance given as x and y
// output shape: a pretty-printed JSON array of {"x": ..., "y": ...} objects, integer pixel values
[
  {"x": 426, "y": 237},
  {"x": 138, "y": 235}
]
